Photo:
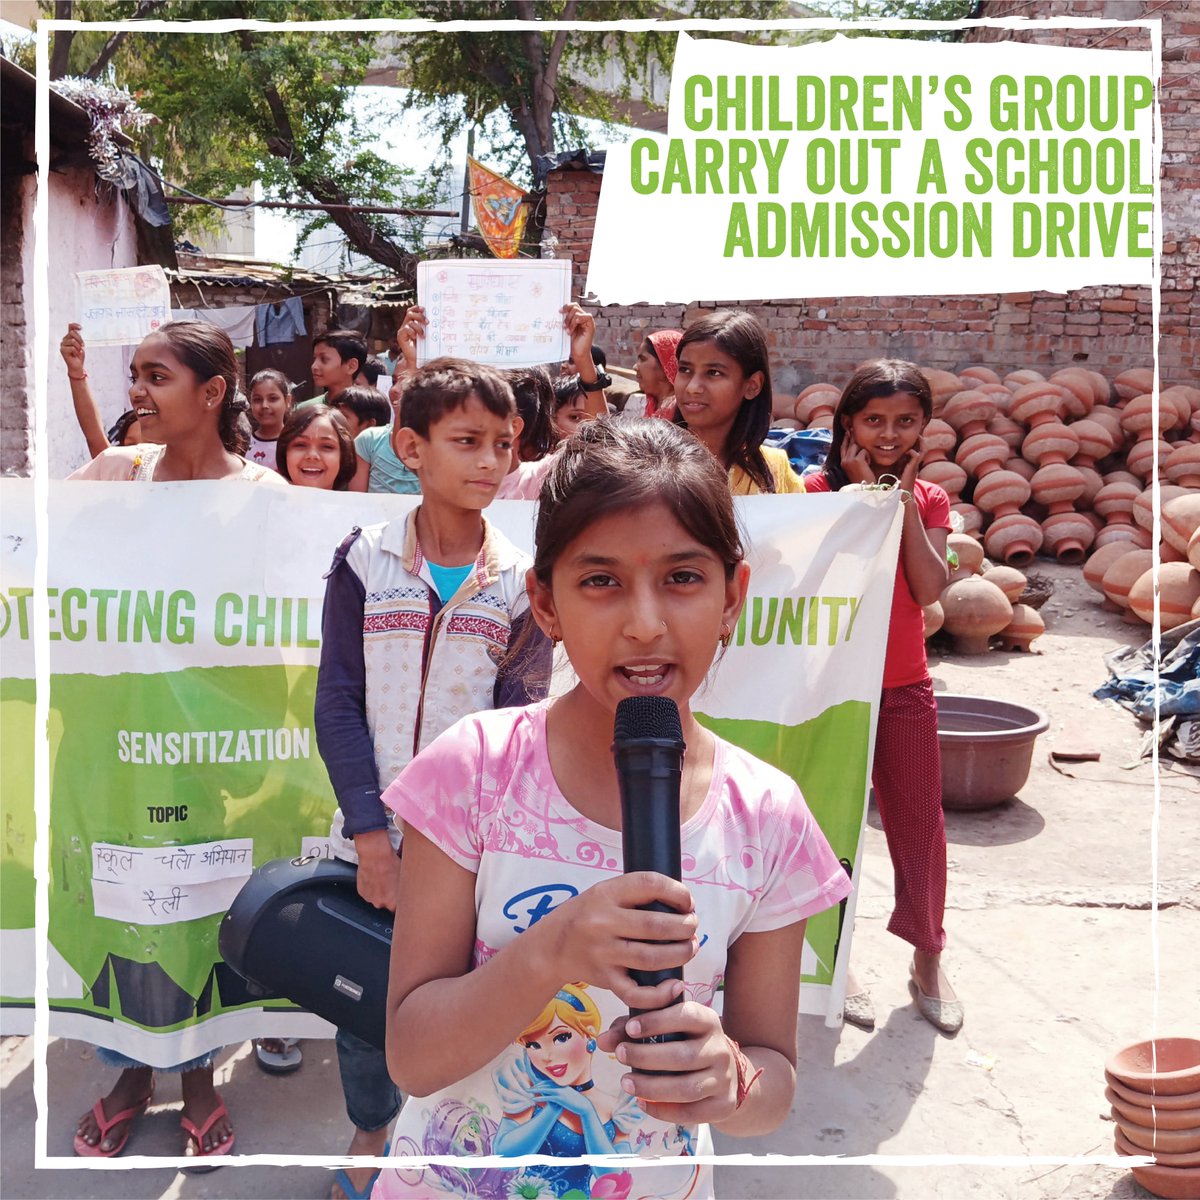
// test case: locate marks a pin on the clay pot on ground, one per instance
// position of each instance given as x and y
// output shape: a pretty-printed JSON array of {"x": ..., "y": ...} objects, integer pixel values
[
  {"x": 1169, "y": 1141},
  {"x": 783, "y": 406},
  {"x": 1142, "y": 456},
  {"x": 1008, "y": 579},
  {"x": 1151, "y": 1112},
  {"x": 970, "y": 555},
  {"x": 1078, "y": 390},
  {"x": 1122, "y": 575},
  {"x": 1016, "y": 380},
  {"x": 1165, "y": 1066},
  {"x": 1194, "y": 549},
  {"x": 940, "y": 440},
  {"x": 1180, "y": 520},
  {"x": 942, "y": 385},
  {"x": 1021, "y": 467},
  {"x": 933, "y": 616},
  {"x": 817, "y": 400},
  {"x": 1134, "y": 382},
  {"x": 1026, "y": 625},
  {"x": 1178, "y": 591},
  {"x": 948, "y": 475},
  {"x": 1109, "y": 419},
  {"x": 975, "y": 611},
  {"x": 981, "y": 454},
  {"x": 1114, "y": 502},
  {"x": 1099, "y": 562},
  {"x": 1095, "y": 443},
  {"x": 1183, "y": 465},
  {"x": 976, "y": 374},
  {"x": 1036, "y": 403},
  {"x": 1122, "y": 476},
  {"x": 1143, "y": 506},
  {"x": 969, "y": 412}
]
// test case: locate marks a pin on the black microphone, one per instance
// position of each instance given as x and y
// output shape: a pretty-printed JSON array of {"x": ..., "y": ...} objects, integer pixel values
[{"x": 648, "y": 752}]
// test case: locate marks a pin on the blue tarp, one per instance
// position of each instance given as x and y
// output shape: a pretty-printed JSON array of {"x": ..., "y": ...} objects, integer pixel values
[{"x": 1132, "y": 682}]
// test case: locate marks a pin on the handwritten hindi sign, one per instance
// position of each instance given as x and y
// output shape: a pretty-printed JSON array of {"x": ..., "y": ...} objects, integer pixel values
[
  {"x": 502, "y": 314},
  {"x": 165, "y": 884},
  {"x": 120, "y": 307}
]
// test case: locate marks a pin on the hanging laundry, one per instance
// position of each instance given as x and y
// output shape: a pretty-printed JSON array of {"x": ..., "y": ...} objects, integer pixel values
[
  {"x": 237, "y": 320},
  {"x": 278, "y": 323}
]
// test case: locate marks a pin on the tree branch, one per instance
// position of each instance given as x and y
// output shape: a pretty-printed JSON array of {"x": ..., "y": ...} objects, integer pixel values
[
  {"x": 60, "y": 52},
  {"x": 114, "y": 42}
]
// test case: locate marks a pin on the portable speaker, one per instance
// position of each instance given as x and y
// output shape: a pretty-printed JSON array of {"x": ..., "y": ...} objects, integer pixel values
[{"x": 300, "y": 930}]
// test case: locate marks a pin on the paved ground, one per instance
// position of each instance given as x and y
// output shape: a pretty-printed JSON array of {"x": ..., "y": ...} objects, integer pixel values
[{"x": 1051, "y": 949}]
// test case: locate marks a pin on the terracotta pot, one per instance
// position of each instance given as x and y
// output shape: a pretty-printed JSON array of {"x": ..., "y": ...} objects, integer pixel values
[
  {"x": 1008, "y": 579},
  {"x": 1189, "y": 394},
  {"x": 1057, "y": 484},
  {"x": 1026, "y": 625},
  {"x": 1180, "y": 519},
  {"x": 1159, "y": 1141},
  {"x": 817, "y": 400},
  {"x": 1134, "y": 382},
  {"x": 785, "y": 423},
  {"x": 1171, "y": 1183},
  {"x": 1036, "y": 403},
  {"x": 1167, "y": 553},
  {"x": 783, "y": 406},
  {"x": 1151, "y": 1112},
  {"x": 1143, "y": 506},
  {"x": 940, "y": 440},
  {"x": 974, "y": 610},
  {"x": 1194, "y": 549},
  {"x": 1015, "y": 380},
  {"x": 1142, "y": 455},
  {"x": 1110, "y": 420},
  {"x": 1092, "y": 483},
  {"x": 1100, "y": 560},
  {"x": 1001, "y": 492},
  {"x": 1137, "y": 417},
  {"x": 1013, "y": 432},
  {"x": 1078, "y": 391},
  {"x": 969, "y": 551},
  {"x": 1000, "y": 395},
  {"x": 1183, "y": 465},
  {"x": 1095, "y": 443},
  {"x": 1196, "y": 610},
  {"x": 1014, "y": 539},
  {"x": 1163, "y": 1159},
  {"x": 1097, "y": 523},
  {"x": 1068, "y": 536},
  {"x": 942, "y": 385},
  {"x": 1123, "y": 574},
  {"x": 824, "y": 421},
  {"x": 1178, "y": 590},
  {"x": 981, "y": 453},
  {"x": 969, "y": 412},
  {"x": 947, "y": 474},
  {"x": 1179, "y": 401},
  {"x": 1122, "y": 476},
  {"x": 1101, "y": 389},
  {"x": 976, "y": 374},
  {"x": 933, "y": 616},
  {"x": 1050, "y": 442},
  {"x": 1168, "y": 1101}
]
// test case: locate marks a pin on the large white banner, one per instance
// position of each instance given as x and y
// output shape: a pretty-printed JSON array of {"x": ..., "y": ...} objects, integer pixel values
[{"x": 182, "y": 676}]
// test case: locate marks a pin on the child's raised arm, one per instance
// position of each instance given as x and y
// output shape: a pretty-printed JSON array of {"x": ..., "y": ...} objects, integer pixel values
[
  {"x": 87, "y": 411},
  {"x": 446, "y": 1021},
  {"x": 581, "y": 326}
]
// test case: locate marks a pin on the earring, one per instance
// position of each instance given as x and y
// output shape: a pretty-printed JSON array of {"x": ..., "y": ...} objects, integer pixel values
[
  {"x": 726, "y": 636},
  {"x": 554, "y": 638},
  {"x": 591, "y": 1045}
]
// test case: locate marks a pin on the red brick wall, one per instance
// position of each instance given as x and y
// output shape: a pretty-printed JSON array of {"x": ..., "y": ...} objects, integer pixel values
[{"x": 1108, "y": 329}]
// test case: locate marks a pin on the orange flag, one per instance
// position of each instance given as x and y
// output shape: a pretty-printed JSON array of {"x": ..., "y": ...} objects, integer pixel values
[{"x": 500, "y": 209}]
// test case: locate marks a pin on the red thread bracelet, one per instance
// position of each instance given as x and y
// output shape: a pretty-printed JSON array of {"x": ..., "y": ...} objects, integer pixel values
[{"x": 746, "y": 1074}]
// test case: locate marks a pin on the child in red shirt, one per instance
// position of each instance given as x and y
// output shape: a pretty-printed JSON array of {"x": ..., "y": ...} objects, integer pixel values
[{"x": 877, "y": 436}]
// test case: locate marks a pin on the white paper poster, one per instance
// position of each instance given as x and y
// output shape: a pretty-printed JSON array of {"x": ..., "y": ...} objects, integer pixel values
[
  {"x": 120, "y": 307},
  {"x": 502, "y": 314}
]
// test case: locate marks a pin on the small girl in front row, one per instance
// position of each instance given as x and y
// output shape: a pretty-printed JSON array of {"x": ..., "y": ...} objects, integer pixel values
[
  {"x": 877, "y": 430},
  {"x": 270, "y": 403},
  {"x": 510, "y": 982}
]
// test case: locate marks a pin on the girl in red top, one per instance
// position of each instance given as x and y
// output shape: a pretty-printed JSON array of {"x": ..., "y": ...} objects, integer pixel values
[{"x": 877, "y": 432}]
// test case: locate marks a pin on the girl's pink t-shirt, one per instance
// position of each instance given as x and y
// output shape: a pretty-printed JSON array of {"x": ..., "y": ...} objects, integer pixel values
[
  {"x": 484, "y": 793},
  {"x": 905, "y": 662}
]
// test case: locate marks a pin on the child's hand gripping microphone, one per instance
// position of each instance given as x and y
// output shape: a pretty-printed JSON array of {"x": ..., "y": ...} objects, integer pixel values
[{"x": 648, "y": 751}]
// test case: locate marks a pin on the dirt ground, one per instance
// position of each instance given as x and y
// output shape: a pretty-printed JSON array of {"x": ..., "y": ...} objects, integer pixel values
[{"x": 1053, "y": 946}]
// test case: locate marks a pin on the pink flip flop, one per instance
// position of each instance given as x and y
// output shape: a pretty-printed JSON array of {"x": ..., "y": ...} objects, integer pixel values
[
  {"x": 196, "y": 1135},
  {"x": 84, "y": 1150}
]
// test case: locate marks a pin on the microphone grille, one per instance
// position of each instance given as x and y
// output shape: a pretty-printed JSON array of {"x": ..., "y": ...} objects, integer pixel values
[{"x": 647, "y": 717}]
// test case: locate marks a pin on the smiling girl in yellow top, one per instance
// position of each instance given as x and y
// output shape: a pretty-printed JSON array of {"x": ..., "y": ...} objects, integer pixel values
[{"x": 723, "y": 395}]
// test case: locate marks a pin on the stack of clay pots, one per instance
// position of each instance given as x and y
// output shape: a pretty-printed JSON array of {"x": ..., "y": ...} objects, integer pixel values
[
  {"x": 1154, "y": 1090},
  {"x": 1061, "y": 465},
  {"x": 980, "y": 602}
]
